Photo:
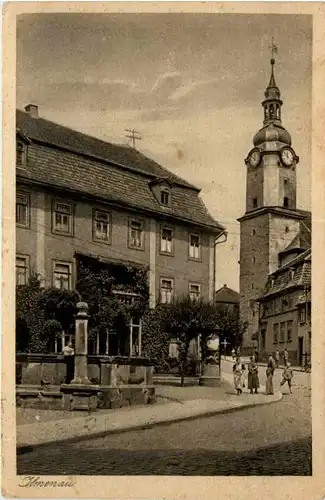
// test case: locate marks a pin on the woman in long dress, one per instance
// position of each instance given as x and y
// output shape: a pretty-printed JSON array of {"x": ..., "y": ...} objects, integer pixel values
[
  {"x": 269, "y": 375},
  {"x": 238, "y": 376},
  {"x": 253, "y": 381}
]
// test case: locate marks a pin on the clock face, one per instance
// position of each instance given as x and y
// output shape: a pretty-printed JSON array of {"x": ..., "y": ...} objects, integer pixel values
[
  {"x": 287, "y": 157},
  {"x": 254, "y": 158}
]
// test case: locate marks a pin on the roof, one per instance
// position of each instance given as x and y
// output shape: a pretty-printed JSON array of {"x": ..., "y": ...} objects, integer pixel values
[
  {"x": 302, "y": 240},
  {"x": 227, "y": 296},
  {"x": 283, "y": 280},
  {"x": 48, "y": 132},
  {"x": 114, "y": 174}
]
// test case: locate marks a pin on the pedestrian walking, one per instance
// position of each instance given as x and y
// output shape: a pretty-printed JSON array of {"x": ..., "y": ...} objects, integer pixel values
[
  {"x": 277, "y": 358},
  {"x": 68, "y": 352},
  {"x": 256, "y": 356},
  {"x": 238, "y": 376},
  {"x": 253, "y": 381},
  {"x": 269, "y": 375},
  {"x": 238, "y": 351},
  {"x": 233, "y": 353},
  {"x": 287, "y": 376},
  {"x": 285, "y": 357}
]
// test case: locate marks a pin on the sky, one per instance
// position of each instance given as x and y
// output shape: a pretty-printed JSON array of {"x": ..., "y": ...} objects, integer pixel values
[{"x": 190, "y": 84}]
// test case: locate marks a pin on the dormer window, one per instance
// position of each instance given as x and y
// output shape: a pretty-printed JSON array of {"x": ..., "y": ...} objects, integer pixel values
[
  {"x": 165, "y": 197},
  {"x": 162, "y": 190},
  {"x": 20, "y": 154}
]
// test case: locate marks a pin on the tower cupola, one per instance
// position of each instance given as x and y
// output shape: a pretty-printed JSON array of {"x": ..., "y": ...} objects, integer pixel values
[{"x": 273, "y": 130}]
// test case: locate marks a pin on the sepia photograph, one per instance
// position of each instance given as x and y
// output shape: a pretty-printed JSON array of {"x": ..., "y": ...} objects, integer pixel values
[{"x": 163, "y": 241}]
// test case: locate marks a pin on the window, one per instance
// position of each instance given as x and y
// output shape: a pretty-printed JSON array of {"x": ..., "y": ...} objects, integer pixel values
[
  {"x": 165, "y": 197},
  {"x": 135, "y": 336},
  {"x": 252, "y": 286},
  {"x": 282, "y": 332},
  {"x": 284, "y": 304},
  {"x": 285, "y": 201},
  {"x": 265, "y": 310},
  {"x": 101, "y": 226},
  {"x": 285, "y": 181},
  {"x": 290, "y": 302},
  {"x": 62, "y": 275},
  {"x": 22, "y": 209},
  {"x": 166, "y": 291},
  {"x": 136, "y": 234},
  {"x": 289, "y": 331},
  {"x": 20, "y": 154},
  {"x": 254, "y": 202},
  {"x": 22, "y": 269},
  {"x": 195, "y": 246},
  {"x": 287, "y": 229},
  {"x": 195, "y": 291},
  {"x": 62, "y": 218},
  {"x": 275, "y": 333},
  {"x": 253, "y": 260},
  {"x": 253, "y": 232},
  {"x": 166, "y": 241},
  {"x": 302, "y": 315}
]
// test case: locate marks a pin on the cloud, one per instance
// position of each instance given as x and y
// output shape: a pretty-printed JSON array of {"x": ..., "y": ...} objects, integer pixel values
[{"x": 166, "y": 84}]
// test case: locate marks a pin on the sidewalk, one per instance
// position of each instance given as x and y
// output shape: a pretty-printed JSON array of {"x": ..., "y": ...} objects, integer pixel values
[{"x": 174, "y": 405}]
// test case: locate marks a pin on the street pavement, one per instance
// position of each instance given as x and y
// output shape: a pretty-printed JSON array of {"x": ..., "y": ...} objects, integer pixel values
[{"x": 272, "y": 439}]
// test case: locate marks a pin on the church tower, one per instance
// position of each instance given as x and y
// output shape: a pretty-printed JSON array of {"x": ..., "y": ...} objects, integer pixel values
[{"x": 271, "y": 220}]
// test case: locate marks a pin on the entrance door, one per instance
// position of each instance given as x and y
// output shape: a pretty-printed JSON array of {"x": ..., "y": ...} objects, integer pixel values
[{"x": 300, "y": 349}]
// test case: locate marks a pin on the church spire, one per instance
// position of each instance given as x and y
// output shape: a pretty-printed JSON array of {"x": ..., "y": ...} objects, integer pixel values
[{"x": 272, "y": 103}]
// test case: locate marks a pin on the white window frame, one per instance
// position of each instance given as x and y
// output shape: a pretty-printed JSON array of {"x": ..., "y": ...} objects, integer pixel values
[
  {"x": 55, "y": 273},
  {"x": 276, "y": 333},
  {"x": 166, "y": 245},
  {"x": 23, "y": 200},
  {"x": 22, "y": 163},
  {"x": 193, "y": 295},
  {"x": 132, "y": 243},
  {"x": 132, "y": 326},
  {"x": 193, "y": 250},
  {"x": 289, "y": 324},
  {"x": 24, "y": 258},
  {"x": 164, "y": 297},
  {"x": 68, "y": 213},
  {"x": 282, "y": 338},
  {"x": 106, "y": 235}
]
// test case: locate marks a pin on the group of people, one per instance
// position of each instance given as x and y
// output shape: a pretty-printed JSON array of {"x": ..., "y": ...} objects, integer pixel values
[{"x": 239, "y": 370}]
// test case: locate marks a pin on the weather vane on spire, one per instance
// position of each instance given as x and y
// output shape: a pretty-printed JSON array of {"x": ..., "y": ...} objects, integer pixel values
[{"x": 274, "y": 50}]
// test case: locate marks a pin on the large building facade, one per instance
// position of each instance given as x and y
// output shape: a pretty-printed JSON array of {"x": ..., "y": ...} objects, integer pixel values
[
  {"x": 272, "y": 228},
  {"x": 79, "y": 199}
]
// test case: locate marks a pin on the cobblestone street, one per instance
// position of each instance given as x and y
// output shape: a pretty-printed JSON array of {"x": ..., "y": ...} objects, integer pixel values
[{"x": 273, "y": 439}]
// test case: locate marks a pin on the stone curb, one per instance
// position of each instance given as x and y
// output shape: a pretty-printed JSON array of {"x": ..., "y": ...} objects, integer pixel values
[{"x": 22, "y": 449}]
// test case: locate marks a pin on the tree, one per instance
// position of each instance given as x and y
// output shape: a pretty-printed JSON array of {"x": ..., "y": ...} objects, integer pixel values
[
  {"x": 29, "y": 317},
  {"x": 185, "y": 320},
  {"x": 231, "y": 327},
  {"x": 42, "y": 314},
  {"x": 108, "y": 314}
]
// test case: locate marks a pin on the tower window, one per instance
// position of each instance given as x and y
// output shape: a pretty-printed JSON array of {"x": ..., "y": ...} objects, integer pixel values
[
  {"x": 287, "y": 229},
  {"x": 285, "y": 201},
  {"x": 253, "y": 232},
  {"x": 254, "y": 202},
  {"x": 285, "y": 181}
]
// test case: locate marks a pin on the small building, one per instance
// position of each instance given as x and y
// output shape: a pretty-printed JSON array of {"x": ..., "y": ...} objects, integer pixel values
[
  {"x": 285, "y": 310},
  {"x": 227, "y": 298}
]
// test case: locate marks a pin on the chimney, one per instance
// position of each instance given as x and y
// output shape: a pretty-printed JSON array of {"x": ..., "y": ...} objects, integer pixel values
[
  {"x": 225, "y": 286},
  {"x": 32, "y": 110}
]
